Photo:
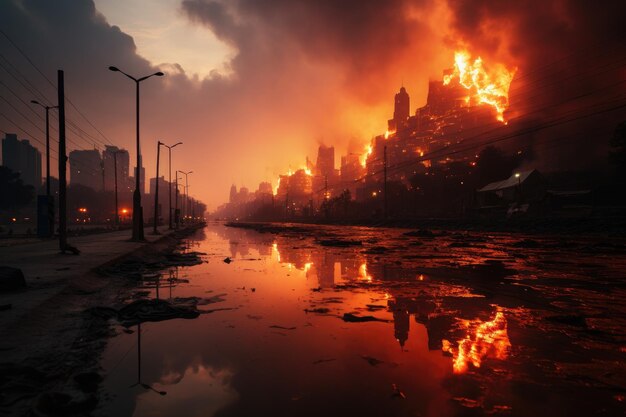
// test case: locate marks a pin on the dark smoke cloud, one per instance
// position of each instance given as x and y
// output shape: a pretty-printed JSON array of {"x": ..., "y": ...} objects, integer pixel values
[{"x": 570, "y": 56}]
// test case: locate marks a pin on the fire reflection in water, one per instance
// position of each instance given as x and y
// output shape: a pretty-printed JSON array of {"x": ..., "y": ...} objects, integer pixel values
[{"x": 488, "y": 339}]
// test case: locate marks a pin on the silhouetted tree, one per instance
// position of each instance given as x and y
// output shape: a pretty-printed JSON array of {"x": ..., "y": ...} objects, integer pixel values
[{"x": 13, "y": 193}]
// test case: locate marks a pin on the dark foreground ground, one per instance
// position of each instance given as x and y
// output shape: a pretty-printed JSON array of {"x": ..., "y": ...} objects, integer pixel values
[{"x": 296, "y": 320}]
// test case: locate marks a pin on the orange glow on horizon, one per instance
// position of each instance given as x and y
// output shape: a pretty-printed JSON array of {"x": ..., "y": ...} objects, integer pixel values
[
  {"x": 486, "y": 86},
  {"x": 488, "y": 339}
]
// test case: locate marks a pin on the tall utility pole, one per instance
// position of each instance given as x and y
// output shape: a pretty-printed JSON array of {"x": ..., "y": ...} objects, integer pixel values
[
  {"x": 176, "y": 213},
  {"x": 169, "y": 147},
  {"x": 117, "y": 213},
  {"x": 385, "y": 183},
  {"x": 62, "y": 164},
  {"x": 49, "y": 199},
  {"x": 156, "y": 191},
  {"x": 137, "y": 209},
  {"x": 185, "y": 202},
  {"x": 62, "y": 170}
]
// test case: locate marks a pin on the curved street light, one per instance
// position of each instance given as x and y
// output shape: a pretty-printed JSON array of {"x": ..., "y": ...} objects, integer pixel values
[
  {"x": 156, "y": 193},
  {"x": 137, "y": 209}
]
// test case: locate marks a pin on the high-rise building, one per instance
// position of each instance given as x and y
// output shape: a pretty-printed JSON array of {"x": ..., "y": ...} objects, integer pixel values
[
  {"x": 233, "y": 194},
  {"x": 86, "y": 169},
  {"x": 21, "y": 157},
  {"x": 265, "y": 188},
  {"x": 163, "y": 186},
  {"x": 401, "y": 109},
  {"x": 163, "y": 196},
  {"x": 325, "y": 161},
  {"x": 123, "y": 163}
]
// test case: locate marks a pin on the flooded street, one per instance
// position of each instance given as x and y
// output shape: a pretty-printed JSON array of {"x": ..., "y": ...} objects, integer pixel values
[{"x": 379, "y": 322}]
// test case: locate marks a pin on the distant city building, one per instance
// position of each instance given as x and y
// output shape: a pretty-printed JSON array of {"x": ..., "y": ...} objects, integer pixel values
[
  {"x": 265, "y": 188},
  {"x": 163, "y": 186},
  {"x": 21, "y": 157},
  {"x": 233, "y": 194},
  {"x": 123, "y": 163},
  {"x": 325, "y": 165},
  {"x": 401, "y": 109},
  {"x": 86, "y": 169},
  {"x": 163, "y": 197}
]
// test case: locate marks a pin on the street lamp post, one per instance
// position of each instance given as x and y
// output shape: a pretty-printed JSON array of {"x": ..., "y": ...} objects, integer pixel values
[
  {"x": 169, "y": 147},
  {"x": 117, "y": 213},
  {"x": 185, "y": 204},
  {"x": 137, "y": 209},
  {"x": 176, "y": 213},
  {"x": 156, "y": 191},
  {"x": 50, "y": 203}
]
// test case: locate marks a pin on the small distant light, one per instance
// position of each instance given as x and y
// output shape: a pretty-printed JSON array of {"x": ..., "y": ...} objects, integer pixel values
[{"x": 517, "y": 175}]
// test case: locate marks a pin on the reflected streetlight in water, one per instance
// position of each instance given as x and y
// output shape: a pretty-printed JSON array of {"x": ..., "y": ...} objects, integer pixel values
[{"x": 143, "y": 385}]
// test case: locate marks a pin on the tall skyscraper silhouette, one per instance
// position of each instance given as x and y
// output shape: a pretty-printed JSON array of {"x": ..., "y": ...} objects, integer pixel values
[{"x": 21, "y": 157}]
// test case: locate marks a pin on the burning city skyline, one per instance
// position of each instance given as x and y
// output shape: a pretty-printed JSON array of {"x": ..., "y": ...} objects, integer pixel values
[
  {"x": 280, "y": 88},
  {"x": 312, "y": 207}
]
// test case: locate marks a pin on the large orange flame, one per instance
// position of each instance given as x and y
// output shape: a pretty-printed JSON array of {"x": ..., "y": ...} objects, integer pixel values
[
  {"x": 488, "y": 87},
  {"x": 365, "y": 155},
  {"x": 489, "y": 340}
]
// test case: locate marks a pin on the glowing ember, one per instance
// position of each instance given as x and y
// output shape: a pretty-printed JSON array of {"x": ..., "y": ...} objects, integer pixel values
[
  {"x": 389, "y": 133},
  {"x": 486, "y": 86},
  {"x": 489, "y": 340}
]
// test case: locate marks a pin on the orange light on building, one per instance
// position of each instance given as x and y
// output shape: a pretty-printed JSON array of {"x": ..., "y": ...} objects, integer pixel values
[
  {"x": 82, "y": 210},
  {"x": 124, "y": 211}
]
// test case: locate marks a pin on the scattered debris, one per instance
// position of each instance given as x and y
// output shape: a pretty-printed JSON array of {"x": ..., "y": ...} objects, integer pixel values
[
  {"x": 526, "y": 243},
  {"x": 140, "y": 311},
  {"x": 570, "y": 320},
  {"x": 420, "y": 233},
  {"x": 376, "y": 250},
  {"x": 318, "y": 310},
  {"x": 351, "y": 318},
  {"x": 11, "y": 279},
  {"x": 372, "y": 361},
  {"x": 397, "y": 393},
  {"x": 340, "y": 243},
  {"x": 317, "y": 362},
  {"x": 227, "y": 260}
]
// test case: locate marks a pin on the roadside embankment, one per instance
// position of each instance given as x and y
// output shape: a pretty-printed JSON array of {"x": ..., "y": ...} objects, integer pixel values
[{"x": 50, "y": 346}]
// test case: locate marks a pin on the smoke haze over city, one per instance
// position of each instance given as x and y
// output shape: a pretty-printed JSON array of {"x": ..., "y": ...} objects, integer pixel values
[{"x": 290, "y": 75}]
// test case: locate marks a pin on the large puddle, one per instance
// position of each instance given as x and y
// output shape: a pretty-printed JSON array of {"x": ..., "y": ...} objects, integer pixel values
[{"x": 418, "y": 325}]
